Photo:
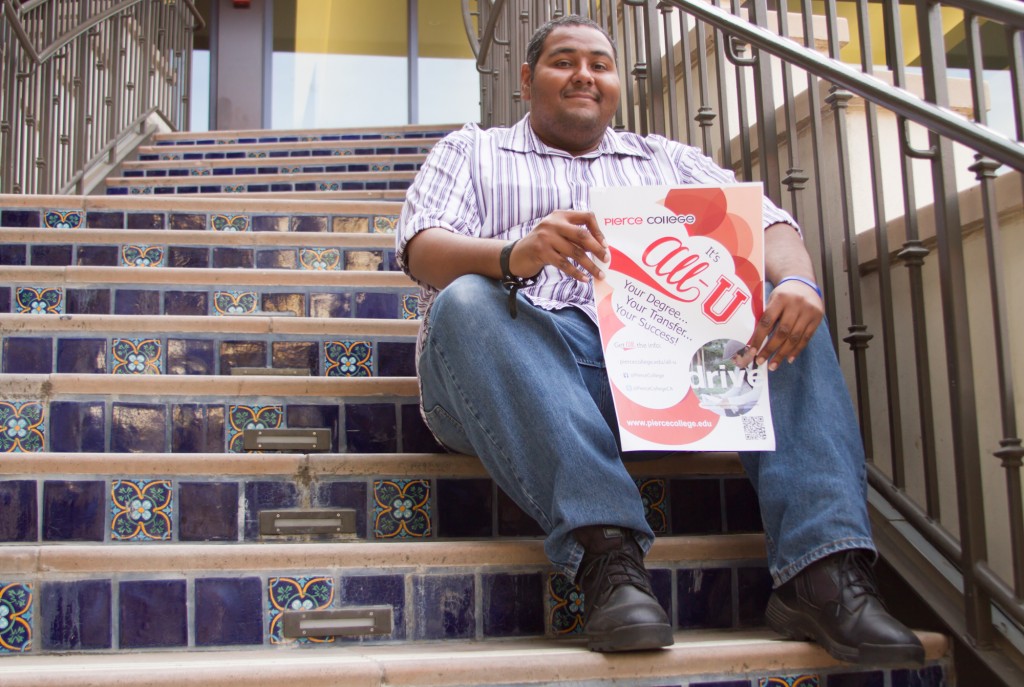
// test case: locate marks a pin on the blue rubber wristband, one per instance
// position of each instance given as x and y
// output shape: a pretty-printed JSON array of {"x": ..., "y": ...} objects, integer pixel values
[{"x": 802, "y": 280}]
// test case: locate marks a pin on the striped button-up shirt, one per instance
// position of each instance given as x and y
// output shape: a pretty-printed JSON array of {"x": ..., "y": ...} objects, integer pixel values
[{"x": 501, "y": 182}]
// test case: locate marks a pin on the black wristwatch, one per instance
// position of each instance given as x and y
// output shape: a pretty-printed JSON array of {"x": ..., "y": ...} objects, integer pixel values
[{"x": 511, "y": 281}]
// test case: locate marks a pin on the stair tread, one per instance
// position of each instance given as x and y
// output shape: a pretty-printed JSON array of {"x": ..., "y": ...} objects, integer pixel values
[
  {"x": 232, "y": 204},
  {"x": 449, "y": 465},
  {"x": 299, "y": 160},
  {"x": 180, "y": 237},
  {"x": 446, "y": 664},
  {"x": 359, "y": 554},
  {"x": 227, "y": 277},
  {"x": 381, "y": 175},
  {"x": 225, "y": 134}
]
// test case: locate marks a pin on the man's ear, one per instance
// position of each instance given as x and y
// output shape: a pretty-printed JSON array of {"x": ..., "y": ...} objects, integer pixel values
[{"x": 524, "y": 81}]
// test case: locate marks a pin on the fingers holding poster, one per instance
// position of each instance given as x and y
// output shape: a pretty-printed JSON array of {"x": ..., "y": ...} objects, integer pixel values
[{"x": 682, "y": 292}]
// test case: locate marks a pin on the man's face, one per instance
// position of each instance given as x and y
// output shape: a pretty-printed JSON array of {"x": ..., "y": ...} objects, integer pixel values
[{"x": 574, "y": 89}]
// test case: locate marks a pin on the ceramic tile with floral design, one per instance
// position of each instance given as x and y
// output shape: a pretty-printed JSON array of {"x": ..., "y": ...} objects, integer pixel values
[
  {"x": 348, "y": 359},
  {"x": 296, "y": 594},
  {"x": 565, "y": 603},
  {"x": 15, "y": 617},
  {"x": 320, "y": 260},
  {"x": 653, "y": 494},
  {"x": 64, "y": 219},
  {"x": 235, "y": 302},
  {"x": 241, "y": 418},
  {"x": 401, "y": 509},
  {"x": 39, "y": 300},
  {"x": 230, "y": 222},
  {"x": 141, "y": 510},
  {"x": 22, "y": 427},
  {"x": 142, "y": 256},
  {"x": 137, "y": 356}
]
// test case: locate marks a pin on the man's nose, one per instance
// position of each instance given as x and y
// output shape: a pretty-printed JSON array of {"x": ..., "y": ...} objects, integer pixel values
[{"x": 583, "y": 75}]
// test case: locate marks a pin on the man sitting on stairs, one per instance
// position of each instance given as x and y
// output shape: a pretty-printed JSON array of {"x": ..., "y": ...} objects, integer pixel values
[{"x": 521, "y": 383}]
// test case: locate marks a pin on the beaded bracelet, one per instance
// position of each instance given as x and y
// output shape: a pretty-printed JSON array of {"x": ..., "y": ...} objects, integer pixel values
[{"x": 803, "y": 280}]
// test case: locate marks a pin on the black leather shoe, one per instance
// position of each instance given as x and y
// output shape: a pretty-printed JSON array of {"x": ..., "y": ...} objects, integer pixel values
[
  {"x": 835, "y": 602},
  {"x": 620, "y": 611}
]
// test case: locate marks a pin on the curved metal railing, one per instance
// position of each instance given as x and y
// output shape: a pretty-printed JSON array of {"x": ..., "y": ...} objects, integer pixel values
[{"x": 81, "y": 77}]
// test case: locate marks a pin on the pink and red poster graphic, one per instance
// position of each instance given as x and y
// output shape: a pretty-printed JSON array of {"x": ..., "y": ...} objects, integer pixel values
[{"x": 681, "y": 295}]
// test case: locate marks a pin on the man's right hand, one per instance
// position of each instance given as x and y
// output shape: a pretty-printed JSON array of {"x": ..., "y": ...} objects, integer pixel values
[{"x": 565, "y": 239}]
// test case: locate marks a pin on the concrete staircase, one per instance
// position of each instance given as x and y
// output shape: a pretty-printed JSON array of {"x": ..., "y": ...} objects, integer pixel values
[{"x": 147, "y": 338}]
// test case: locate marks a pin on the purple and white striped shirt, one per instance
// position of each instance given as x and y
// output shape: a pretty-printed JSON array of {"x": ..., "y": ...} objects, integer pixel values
[{"x": 501, "y": 182}]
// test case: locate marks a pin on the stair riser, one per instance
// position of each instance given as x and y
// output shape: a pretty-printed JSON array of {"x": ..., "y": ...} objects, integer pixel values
[
  {"x": 237, "y": 608},
  {"x": 99, "y": 352},
  {"x": 253, "y": 166},
  {"x": 327, "y": 184},
  {"x": 96, "y": 508}
]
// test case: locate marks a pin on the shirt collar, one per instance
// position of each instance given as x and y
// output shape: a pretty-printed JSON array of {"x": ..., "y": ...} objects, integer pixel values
[{"x": 521, "y": 138}]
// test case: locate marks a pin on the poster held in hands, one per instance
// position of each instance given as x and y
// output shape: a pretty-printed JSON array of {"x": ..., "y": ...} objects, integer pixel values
[{"x": 682, "y": 293}]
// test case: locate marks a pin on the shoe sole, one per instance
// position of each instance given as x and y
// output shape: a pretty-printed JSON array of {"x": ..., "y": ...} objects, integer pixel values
[
  {"x": 793, "y": 624},
  {"x": 632, "y": 638}
]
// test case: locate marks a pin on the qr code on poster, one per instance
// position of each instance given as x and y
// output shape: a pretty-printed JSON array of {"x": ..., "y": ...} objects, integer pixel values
[{"x": 753, "y": 427}]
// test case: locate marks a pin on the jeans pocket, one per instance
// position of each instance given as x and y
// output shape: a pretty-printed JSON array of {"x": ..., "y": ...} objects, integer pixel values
[{"x": 448, "y": 430}]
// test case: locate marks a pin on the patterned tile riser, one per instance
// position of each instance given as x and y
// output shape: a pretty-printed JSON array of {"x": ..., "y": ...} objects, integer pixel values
[
  {"x": 73, "y": 426},
  {"x": 327, "y": 184},
  {"x": 116, "y": 508},
  {"x": 63, "y": 218},
  {"x": 98, "y": 353},
  {"x": 244, "y": 168},
  {"x": 197, "y": 256},
  {"x": 393, "y": 137},
  {"x": 244, "y": 611},
  {"x": 210, "y": 301}
]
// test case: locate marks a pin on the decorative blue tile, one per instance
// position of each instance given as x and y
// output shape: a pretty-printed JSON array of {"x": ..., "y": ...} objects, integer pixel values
[
  {"x": 654, "y": 495},
  {"x": 143, "y": 256},
  {"x": 241, "y": 418},
  {"x": 104, "y": 220},
  {"x": 153, "y": 614},
  {"x": 41, "y": 300},
  {"x": 929, "y": 676},
  {"x": 416, "y": 436},
  {"x": 371, "y": 590},
  {"x": 50, "y": 255},
  {"x": 188, "y": 256},
  {"x": 348, "y": 359},
  {"x": 13, "y": 254},
  {"x": 22, "y": 427},
  {"x": 513, "y": 521},
  {"x": 742, "y": 509},
  {"x": 197, "y": 428},
  {"x": 464, "y": 508},
  {"x": 5, "y": 299},
  {"x": 401, "y": 509},
  {"x": 444, "y": 607},
  {"x": 370, "y": 428},
  {"x": 88, "y": 302},
  {"x": 73, "y": 511},
  {"x": 138, "y": 428},
  {"x": 208, "y": 511},
  {"x": 136, "y": 302},
  {"x": 320, "y": 259},
  {"x": 378, "y": 305},
  {"x": 195, "y": 303},
  {"x": 190, "y": 357},
  {"x": 20, "y": 218},
  {"x": 16, "y": 613},
  {"x": 874, "y": 678},
  {"x": 145, "y": 220},
  {"x": 296, "y": 594},
  {"x": 234, "y": 302},
  {"x": 729, "y": 683},
  {"x": 137, "y": 356},
  {"x": 513, "y": 604},
  {"x": 18, "y": 511},
  {"x": 75, "y": 615},
  {"x": 266, "y": 496},
  {"x": 27, "y": 355},
  {"x": 88, "y": 356},
  {"x": 754, "y": 586},
  {"x": 705, "y": 598},
  {"x": 233, "y": 258},
  {"x": 696, "y": 506},
  {"x": 296, "y": 355},
  {"x": 789, "y": 681},
  {"x": 661, "y": 584},
  {"x": 346, "y": 495},
  {"x": 396, "y": 359},
  {"x": 141, "y": 510},
  {"x": 98, "y": 256},
  {"x": 565, "y": 605},
  {"x": 77, "y": 426},
  {"x": 228, "y": 611}
]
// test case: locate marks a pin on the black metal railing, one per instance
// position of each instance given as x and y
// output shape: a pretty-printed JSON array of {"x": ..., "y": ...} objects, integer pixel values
[
  {"x": 893, "y": 131},
  {"x": 77, "y": 77}
]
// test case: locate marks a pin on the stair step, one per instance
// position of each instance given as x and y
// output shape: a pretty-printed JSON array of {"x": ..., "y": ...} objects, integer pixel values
[
  {"x": 402, "y": 131},
  {"x": 336, "y": 181},
  {"x": 712, "y": 658},
  {"x": 184, "y": 237},
  {"x": 29, "y": 210},
  {"x": 270, "y": 165},
  {"x": 83, "y": 274}
]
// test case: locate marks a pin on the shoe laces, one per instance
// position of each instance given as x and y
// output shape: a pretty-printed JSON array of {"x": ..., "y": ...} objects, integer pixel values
[
  {"x": 617, "y": 567},
  {"x": 856, "y": 574}
]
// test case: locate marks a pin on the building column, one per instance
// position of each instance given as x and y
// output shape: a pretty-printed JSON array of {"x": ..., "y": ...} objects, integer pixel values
[{"x": 240, "y": 59}]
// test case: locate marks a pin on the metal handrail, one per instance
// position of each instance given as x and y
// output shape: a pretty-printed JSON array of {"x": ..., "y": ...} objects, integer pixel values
[{"x": 940, "y": 120}]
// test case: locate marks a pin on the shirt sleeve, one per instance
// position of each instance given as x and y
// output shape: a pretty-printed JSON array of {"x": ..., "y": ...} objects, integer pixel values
[
  {"x": 697, "y": 168},
  {"x": 441, "y": 196}
]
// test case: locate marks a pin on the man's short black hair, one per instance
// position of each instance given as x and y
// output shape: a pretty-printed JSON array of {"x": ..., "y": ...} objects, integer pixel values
[{"x": 536, "y": 44}]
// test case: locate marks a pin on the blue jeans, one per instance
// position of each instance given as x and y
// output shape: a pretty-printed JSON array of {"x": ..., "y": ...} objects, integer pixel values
[{"x": 530, "y": 397}]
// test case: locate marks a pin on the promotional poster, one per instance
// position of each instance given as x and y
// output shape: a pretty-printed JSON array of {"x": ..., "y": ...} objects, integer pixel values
[{"x": 681, "y": 295}]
